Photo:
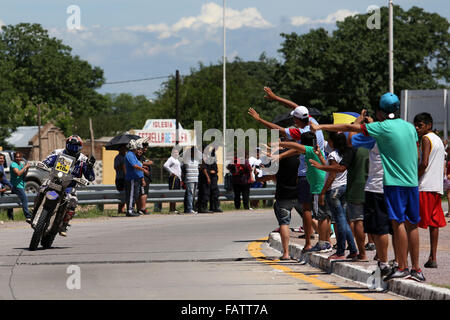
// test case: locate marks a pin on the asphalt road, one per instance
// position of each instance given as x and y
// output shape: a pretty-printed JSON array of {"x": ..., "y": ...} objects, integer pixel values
[{"x": 176, "y": 257}]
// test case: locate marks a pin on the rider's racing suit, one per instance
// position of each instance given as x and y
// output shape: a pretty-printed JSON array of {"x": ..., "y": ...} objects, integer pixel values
[{"x": 81, "y": 168}]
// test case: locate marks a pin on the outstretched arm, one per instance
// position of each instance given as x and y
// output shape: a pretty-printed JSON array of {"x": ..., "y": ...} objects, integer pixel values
[
  {"x": 332, "y": 167},
  {"x": 293, "y": 145},
  {"x": 267, "y": 124},
  {"x": 272, "y": 96},
  {"x": 344, "y": 127}
]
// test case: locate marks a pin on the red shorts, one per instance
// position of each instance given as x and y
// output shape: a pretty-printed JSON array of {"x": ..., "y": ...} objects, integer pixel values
[{"x": 431, "y": 214}]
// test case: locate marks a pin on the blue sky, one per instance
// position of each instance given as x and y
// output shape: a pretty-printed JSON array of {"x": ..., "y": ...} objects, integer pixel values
[{"x": 137, "y": 39}]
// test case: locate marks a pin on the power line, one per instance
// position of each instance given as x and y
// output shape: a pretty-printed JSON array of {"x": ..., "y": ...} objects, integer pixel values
[{"x": 138, "y": 80}]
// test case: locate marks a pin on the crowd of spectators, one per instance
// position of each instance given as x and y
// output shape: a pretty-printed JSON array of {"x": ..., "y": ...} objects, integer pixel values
[{"x": 372, "y": 178}]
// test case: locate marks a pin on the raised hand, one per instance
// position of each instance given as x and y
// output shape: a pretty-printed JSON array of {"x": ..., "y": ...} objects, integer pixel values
[
  {"x": 269, "y": 94},
  {"x": 314, "y": 163},
  {"x": 254, "y": 114}
]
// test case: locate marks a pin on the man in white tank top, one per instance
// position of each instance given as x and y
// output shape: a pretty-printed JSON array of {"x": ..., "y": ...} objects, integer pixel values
[{"x": 431, "y": 171}]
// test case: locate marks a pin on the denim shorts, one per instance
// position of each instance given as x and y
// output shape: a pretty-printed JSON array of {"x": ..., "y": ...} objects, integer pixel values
[
  {"x": 320, "y": 213},
  {"x": 355, "y": 211},
  {"x": 282, "y": 209}
]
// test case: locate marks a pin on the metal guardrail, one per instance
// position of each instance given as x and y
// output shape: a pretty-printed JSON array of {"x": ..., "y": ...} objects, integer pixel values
[{"x": 158, "y": 193}]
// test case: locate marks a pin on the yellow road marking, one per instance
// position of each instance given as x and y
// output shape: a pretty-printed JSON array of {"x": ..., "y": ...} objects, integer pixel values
[{"x": 254, "y": 248}]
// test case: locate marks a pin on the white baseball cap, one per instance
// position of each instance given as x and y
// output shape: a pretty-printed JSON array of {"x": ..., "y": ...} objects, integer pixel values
[{"x": 300, "y": 112}]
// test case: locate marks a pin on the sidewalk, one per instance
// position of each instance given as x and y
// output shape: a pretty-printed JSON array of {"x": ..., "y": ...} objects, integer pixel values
[{"x": 436, "y": 286}]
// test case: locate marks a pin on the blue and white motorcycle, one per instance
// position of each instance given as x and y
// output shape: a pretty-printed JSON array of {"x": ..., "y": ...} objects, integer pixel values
[{"x": 53, "y": 200}]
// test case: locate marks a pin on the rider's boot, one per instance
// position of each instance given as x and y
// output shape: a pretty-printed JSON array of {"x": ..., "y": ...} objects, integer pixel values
[{"x": 66, "y": 225}]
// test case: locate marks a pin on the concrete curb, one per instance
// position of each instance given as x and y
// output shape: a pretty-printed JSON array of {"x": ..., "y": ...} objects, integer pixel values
[{"x": 369, "y": 277}]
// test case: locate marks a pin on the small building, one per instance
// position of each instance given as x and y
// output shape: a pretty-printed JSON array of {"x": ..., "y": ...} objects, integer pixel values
[{"x": 26, "y": 140}]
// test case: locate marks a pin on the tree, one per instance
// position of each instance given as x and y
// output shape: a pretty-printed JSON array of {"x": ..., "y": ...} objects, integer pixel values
[
  {"x": 201, "y": 94},
  {"x": 123, "y": 112},
  {"x": 348, "y": 69},
  {"x": 36, "y": 69}
]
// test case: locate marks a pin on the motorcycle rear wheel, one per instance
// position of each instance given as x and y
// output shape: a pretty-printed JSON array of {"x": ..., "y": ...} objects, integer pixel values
[{"x": 47, "y": 240}]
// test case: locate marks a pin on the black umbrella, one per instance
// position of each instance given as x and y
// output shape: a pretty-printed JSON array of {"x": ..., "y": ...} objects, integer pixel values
[
  {"x": 286, "y": 120},
  {"x": 120, "y": 140}
]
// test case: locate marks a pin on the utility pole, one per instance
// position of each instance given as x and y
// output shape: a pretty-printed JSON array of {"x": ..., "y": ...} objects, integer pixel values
[
  {"x": 177, "y": 107},
  {"x": 224, "y": 90},
  {"x": 391, "y": 46}
]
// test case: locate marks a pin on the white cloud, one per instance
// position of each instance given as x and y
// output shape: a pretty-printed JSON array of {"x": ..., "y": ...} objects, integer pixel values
[
  {"x": 210, "y": 17},
  {"x": 154, "y": 49},
  {"x": 339, "y": 15}
]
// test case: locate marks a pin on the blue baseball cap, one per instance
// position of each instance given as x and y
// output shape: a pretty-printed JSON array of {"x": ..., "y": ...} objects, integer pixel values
[{"x": 389, "y": 103}]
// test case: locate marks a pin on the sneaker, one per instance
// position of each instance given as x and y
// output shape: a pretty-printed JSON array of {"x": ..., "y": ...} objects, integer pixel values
[
  {"x": 417, "y": 275},
  {"x": 393, "y": 264},
  {"x": 397, "y": 274},
  {"x": 132, "y": 214},
  {"x": 370, "y": 246},
  {"x": 333, "y": 236},
  {"x": 251, "y": 209},
  {"x": 385, "y": 269},
  {"x": 326, "y": 248},
  {"x": 28, "y": 220},
  {"x": 192, "y": 211},
  {"x": 316, "y": 248},
  {"x": 334, "y": 256}
]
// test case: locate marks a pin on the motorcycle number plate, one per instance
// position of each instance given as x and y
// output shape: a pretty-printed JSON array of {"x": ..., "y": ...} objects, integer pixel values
[{"x": 63, "y": 165}]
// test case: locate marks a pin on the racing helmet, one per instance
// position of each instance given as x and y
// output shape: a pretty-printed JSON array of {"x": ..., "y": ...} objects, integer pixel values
[{"x": 74, "y": 145}]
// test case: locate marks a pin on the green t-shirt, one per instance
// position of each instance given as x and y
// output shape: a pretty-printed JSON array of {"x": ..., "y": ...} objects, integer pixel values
[
  {"x": 315, "y": 177},
  {"x": 357, "y": 174},
  {"x": 397, "y": 142},
  {"x": 17, "y": 181}
]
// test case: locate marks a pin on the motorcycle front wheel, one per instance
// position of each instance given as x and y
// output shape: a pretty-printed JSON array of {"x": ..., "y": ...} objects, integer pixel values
[{"x": 38, "y": 230}]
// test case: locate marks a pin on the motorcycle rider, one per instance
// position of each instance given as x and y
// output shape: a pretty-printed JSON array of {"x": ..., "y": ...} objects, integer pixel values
[{"x": 83, "y": 167}]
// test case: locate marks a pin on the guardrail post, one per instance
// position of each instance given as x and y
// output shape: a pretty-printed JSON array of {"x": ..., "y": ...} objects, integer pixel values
[
  {"x": 101, "y": 207},
  {"x": 158, "y": 207}
]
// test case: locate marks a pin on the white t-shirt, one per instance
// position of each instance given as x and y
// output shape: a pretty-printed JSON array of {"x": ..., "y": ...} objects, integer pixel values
[
  {"x": 431, "y": 180},
  {"x": 374, "y": 181},
  {"x": 173, "y": 166},
  {"x": 341, "y": 177},
  {"x": 256, "y": 162}
]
